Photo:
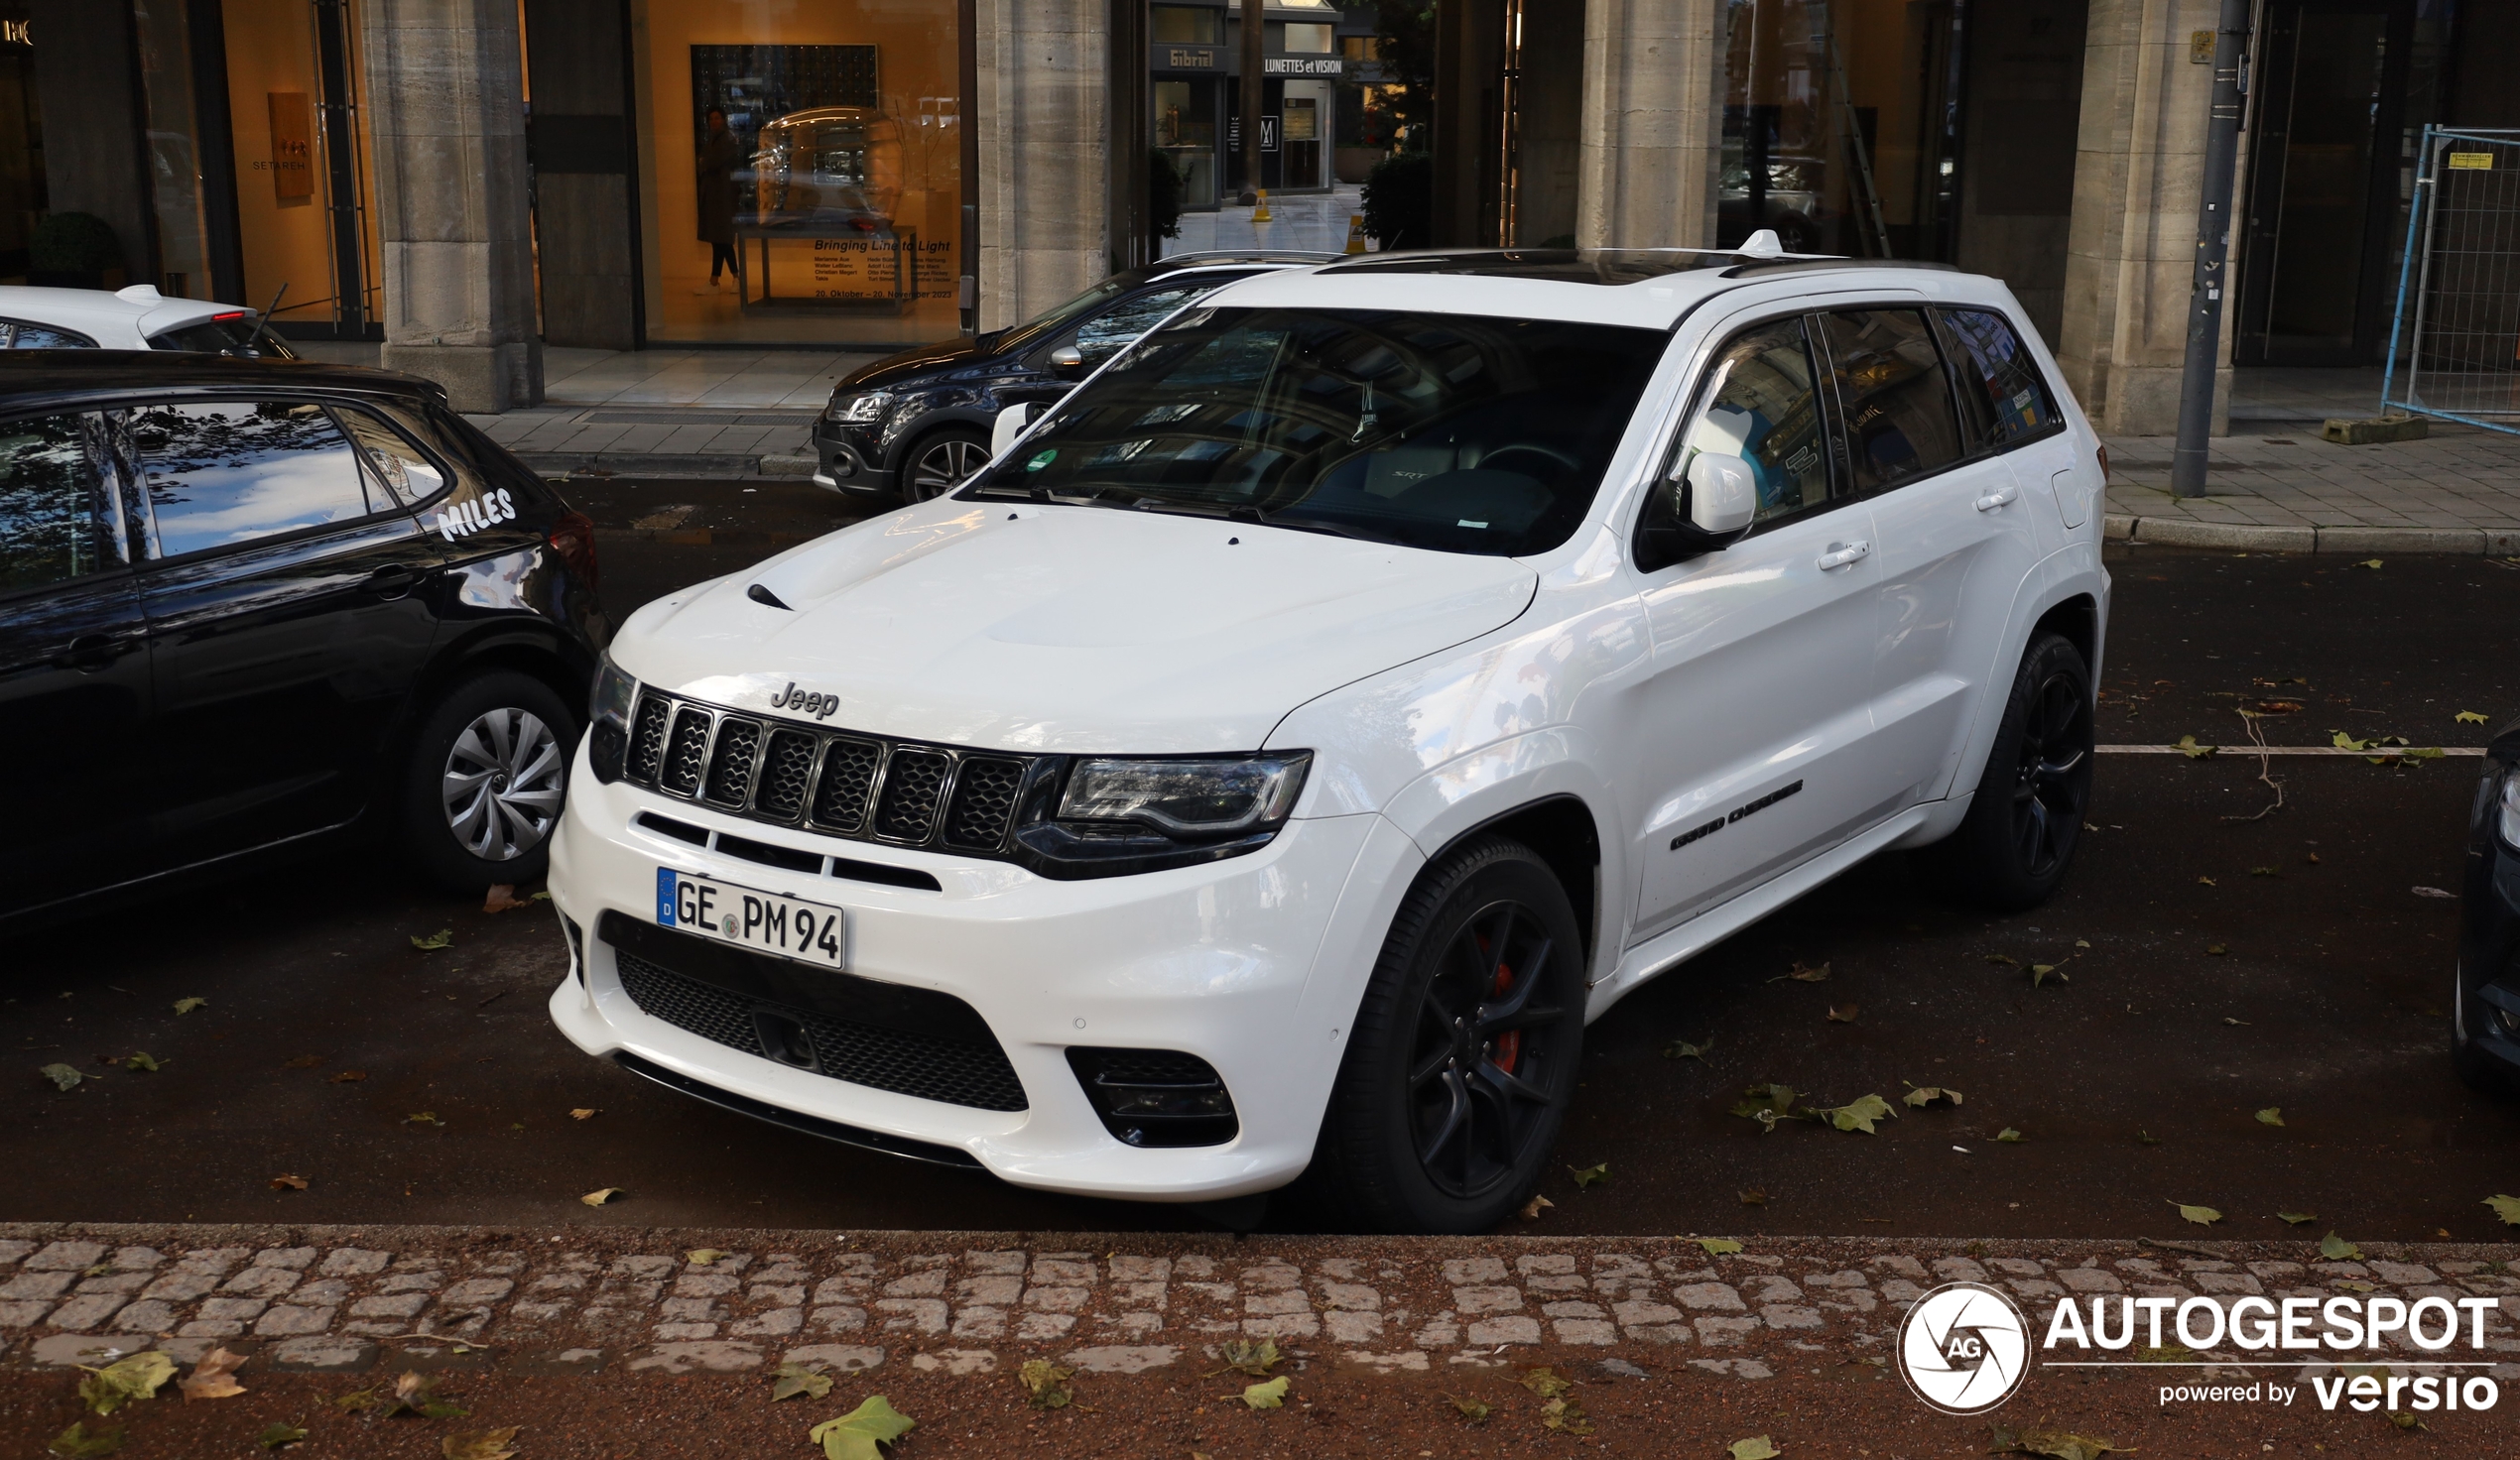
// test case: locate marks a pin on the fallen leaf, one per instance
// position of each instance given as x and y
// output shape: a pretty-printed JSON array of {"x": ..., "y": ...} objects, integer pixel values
[
  {"x": 1756, "y": 1447},
  {"x": 2312, "y": 859},
  {"x": 2336, "y": 1250},
  {"x": 125, "y": 1379},
  {"x": 302, "y": 1061},
  {"x": 1859, "y": 1114},
  {"x": 75, "y": 1443},
  {"x": 2187, "y": 746},
  {"x": 1546, "y": 1383},
  {"x": 1718, "y": 1247},
  {"x": 2264, "y": 872},
  {"x": 2215, "y": 950},
  {"x": 1754, "y": 1197},
  {"x": 2208, "y": 881},
  {"x": 142, "y": 1061},
  {"x": 1242, "y": 1356},
  {"x": 348, "y": 1076},
  {"x": 435, "y": 941},
  {"x": 480, "y": 1444},
  {"x": 2147, "y": 1138},
  {"x": 416, "y": 1394},
  {"x": 2505, "y": 1207},
  {"x": 502, "y": 896},
  {"x": 1766, "y": 1104},
  {"x": 2342, "y": 740},
  {"x": 63, "y": 1076},
  {"x": 2203, "y": 1216},
  {"x": 585, "y": 1112},
  {"x": 2295, "y": 1219},
  {"x": 2082, "y": 942},
  {"x": 2371, "y": 562},
  {"x": 1682, "y": 1049},
  {"x": 2000, "y": 959},
  {"x": 2407, "y": 1421},
  {"x": 2273, "y": 1115},
  {"x": 1471, "y": 1410},
  {"x": 423, "y": 1118},
  {"x": 701, "y": 1257},
  {"x": 1565, "y": 1416},
  {"x": 1269, "y": 1395},
  {"x": 278, "y": 1435},
  {"x": 1534, "y": 1207},
  {"x": 2349, "y": 1285},
  {"x": 214, "y": 1377},
  {"x": 791, "y": 1379},
  {"x": 602, "y": 1194},
  {"x": 357, "y": 1401},
  {"x": 186, "y": 1006},
  {"x": 2040, "y": 973},
  {"x": 2468, "y": 717},
  {"x": 2241, "y": 1023},
  {"x": 1842, "y": 1016},
  {"x": 1047, "y": 1384},
  {"x": 1802, "y": 975},
  {"x": 2433, "y": 892},
  {"x": 1925, "y": 1095},
  {"x": 2009, "y": 1135},
  {"x": 1587, "y": 1177}
]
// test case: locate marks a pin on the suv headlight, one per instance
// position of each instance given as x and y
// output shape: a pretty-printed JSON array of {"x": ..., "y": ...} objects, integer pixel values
[
  {"x": 608, "y": 719},
  {"x": 2507, "y": 811},
  {"x": 862, "y": 408},
  {"x": 1120, "y": 817}
]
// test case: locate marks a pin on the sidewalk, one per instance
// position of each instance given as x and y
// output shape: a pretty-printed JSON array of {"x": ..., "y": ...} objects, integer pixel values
[{"x": 2274, "y": 486}]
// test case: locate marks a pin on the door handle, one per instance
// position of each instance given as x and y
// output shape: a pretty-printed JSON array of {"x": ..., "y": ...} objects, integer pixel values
[
  {"x": 2000, "y": 497},
  {"x": 392, "y": 580},
  {"x": 96, "y": 651},
  {"x": 1840, "y": 556}
]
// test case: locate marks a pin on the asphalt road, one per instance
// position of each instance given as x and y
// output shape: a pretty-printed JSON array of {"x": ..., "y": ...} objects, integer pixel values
[{"x": 2232, "y": 966}]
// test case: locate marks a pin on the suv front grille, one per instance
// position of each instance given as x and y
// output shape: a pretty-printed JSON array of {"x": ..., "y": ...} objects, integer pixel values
[{"x": 832, "y": 781}]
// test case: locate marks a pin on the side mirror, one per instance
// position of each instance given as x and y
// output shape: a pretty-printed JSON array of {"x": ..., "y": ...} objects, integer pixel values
[
  {"x": 1705, "y": 512},
  {"x": 1068, "y": 362},
  {"x": 1010, "y": 423},
  {"x": 1723, "y": 496}
]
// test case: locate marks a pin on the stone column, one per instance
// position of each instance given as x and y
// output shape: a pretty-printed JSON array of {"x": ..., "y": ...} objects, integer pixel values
[
  {"x": 1653, "y": 123},
  {"x": 446, "y": 108},
  {"x": 1043, "y": 115},
  {"x": 2132, "y": 245}
]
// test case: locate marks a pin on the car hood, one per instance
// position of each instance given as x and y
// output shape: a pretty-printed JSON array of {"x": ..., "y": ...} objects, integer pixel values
[
  {"x": 1065, "y": 629},
  {"x": 923, "y": 361}
]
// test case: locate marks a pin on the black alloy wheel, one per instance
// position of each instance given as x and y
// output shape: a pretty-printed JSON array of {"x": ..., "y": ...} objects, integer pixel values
[
  {"x": 1458, "y": 1075},
  {"x": 942, "y": 462},
  {"x": 2012, "y": 849}
]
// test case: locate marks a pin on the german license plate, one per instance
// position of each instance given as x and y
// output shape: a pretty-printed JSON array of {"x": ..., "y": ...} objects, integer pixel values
[{"x": 774, "y": 923}]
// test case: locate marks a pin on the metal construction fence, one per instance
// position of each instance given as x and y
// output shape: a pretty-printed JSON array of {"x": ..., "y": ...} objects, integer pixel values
[{"x": 2454, "y": 345}]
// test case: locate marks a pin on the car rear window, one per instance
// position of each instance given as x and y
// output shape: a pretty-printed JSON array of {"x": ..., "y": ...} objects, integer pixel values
[{"x": 226, "y": 334}]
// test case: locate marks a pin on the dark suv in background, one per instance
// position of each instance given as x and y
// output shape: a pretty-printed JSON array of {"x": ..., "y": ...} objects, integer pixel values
[
  {"x": 916, "y": 424},
  {"x": 249, "y": 608}
]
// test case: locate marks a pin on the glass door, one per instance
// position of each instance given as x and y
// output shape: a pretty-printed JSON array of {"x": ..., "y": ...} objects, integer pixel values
[{"x": 302, "y": 190}]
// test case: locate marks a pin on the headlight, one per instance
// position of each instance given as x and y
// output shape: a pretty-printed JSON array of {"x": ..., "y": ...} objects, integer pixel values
[
  {"x": 1187, "y": 798},
  {"x": 608, "y": 719},
  {"x": 2507, "y": 813},
  {"x": 863, "y": 409}
]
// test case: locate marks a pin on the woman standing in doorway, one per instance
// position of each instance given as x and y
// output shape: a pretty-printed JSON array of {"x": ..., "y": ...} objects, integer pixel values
[{"x": 719, "y": 155}]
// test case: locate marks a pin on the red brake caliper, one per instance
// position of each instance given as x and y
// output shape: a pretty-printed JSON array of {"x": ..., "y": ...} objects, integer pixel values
[{"x": 1509, "y": 1044}]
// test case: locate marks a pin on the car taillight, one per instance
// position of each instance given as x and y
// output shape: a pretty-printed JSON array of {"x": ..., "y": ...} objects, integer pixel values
[{"x": 573, "y": 539}]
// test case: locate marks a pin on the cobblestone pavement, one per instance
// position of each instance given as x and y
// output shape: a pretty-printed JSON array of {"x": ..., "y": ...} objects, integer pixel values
[{"x": 579, "y": 1301}]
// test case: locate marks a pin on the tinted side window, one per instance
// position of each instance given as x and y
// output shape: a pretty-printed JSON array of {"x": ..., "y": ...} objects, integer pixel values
[
  {"x": 228, "y": 472},
  {"x": 1097, "y": 338},
  {"x": 53, "y": 526},
  {"x": 410, "y": 477},
  {"x": 16, "y": 334},
  {"x": 1896, "y": 401},
  {"x": 1758, "y": 404},
  {"x": 2006, "y": 397}
]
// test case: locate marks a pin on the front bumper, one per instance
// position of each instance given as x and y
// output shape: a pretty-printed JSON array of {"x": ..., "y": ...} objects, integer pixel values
[
  {"x": 1232, "y": 961},
  {"x": 849, "y": 458}
]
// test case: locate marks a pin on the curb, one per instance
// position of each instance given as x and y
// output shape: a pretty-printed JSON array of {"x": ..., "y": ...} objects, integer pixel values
[{"x": 2174, "y": 532}]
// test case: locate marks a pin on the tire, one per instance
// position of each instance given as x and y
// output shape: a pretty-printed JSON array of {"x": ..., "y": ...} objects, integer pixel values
[
  {"x": 482, "y": 789},
  {"x": 1453, "y": 1152},
  {"x": 940, "y": 461},
  {"x": 2026, "y": 820},
  {"x": 2476, "y": 1068}
]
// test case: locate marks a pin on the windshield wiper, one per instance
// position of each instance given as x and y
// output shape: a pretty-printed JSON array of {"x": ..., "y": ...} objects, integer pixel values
[{"x": 1301, "y": 525}]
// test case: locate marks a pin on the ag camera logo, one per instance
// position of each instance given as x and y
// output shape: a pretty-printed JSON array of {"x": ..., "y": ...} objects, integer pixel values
[{"x": 1964, "y": 1348}]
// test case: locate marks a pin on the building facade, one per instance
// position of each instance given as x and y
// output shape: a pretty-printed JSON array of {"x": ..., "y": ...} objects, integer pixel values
[{"x": 469, "y": 180}]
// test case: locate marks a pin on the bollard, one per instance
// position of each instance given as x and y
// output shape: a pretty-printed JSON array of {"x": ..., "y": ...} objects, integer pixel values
[{"x": 1355, "y": 233}]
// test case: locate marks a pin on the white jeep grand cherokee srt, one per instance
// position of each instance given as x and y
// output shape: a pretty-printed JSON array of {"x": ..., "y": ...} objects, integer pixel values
[{"x": 1278, "y": 756}]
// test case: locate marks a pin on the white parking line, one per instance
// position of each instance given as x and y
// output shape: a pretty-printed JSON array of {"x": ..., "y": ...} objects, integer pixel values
[{"x": 2294, "y": 749}]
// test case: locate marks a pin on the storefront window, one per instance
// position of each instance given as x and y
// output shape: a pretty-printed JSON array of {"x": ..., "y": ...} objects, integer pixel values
[
  {"x": 1186, "y": 130},
  {"x": 174, "y": 147},
  {"x": 305, "y": 199},
  {"x": 805, "y": 171},
  {"x": 1839, "y": 125},
  {"x": 1307, "y": 38},
  {"x": 1185, "y": 25}
]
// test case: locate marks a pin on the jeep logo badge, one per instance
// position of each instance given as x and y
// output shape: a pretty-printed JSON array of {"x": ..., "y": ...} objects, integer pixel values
[{"x": 820, "y": 706}]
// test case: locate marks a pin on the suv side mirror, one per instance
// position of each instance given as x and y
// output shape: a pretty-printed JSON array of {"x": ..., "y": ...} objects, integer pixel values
[
  {"x": 1068, "y": 362},
  {"x": 1706, "y": 511},
  {"x": 1009, "y": 424}
]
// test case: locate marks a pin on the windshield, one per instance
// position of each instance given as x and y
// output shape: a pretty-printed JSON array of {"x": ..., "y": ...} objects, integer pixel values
[
  {"x": 1452, "y": 432},
  {"x": 1092, "y": 299}
]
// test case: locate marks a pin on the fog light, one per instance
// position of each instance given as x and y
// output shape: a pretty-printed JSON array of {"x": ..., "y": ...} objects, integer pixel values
[
  {"x": 1156, "y": 1097},
  {"x": 2506, "y": 1020}
]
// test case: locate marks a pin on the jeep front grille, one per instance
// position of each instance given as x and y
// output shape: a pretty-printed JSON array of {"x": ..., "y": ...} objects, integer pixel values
[{"x": 836, "y": 783}]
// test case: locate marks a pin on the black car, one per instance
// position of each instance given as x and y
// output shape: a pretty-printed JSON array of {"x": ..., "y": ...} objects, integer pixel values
[
  {"x": 918, "y": 423},
  {"x": 2485, "y": 1017},
  {"x": 250, "y": 608}
]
